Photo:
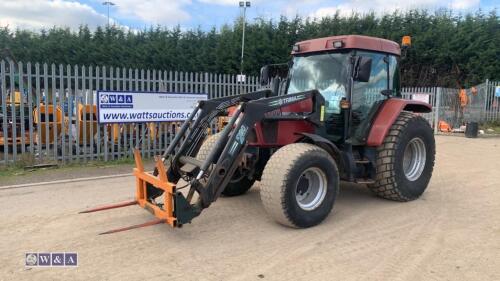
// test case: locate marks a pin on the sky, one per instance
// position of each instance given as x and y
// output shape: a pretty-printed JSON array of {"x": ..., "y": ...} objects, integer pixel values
[{"x": 190, "y": 14}]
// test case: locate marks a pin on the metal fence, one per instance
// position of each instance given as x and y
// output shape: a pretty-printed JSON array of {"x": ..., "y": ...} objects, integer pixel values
[
  {"x": 430, "y": 93},
  {"x": 490, "y": 90},
  {"x": 476, "y": 104},
  {"x": 48, "y": 112}
]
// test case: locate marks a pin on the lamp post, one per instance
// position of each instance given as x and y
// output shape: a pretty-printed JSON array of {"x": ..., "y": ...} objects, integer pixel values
[
  {"x": 244, "y": 5},
  {"x": 108, "y": 3}
]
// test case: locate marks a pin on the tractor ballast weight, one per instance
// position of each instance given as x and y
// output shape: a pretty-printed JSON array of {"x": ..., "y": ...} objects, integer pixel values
[{"x": 286, "y": 142}]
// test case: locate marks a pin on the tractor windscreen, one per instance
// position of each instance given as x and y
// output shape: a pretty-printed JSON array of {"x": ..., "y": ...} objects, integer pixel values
[{"x": 327, "y": 73}]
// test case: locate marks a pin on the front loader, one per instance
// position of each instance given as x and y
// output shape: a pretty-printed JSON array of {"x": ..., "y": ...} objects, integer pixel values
[{"x": 341, "y": 118}]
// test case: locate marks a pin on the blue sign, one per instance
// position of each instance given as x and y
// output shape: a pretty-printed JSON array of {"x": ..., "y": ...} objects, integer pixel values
[
  {"x": 115, "y": 101},
  {"x": 497, "y": 92},
  {"x": 51, "y": 259}
]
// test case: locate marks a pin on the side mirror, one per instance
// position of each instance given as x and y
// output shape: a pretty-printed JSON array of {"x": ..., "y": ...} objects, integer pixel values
[
  {"x": 264, "y": 75},
  {"x": 387, "y": 92},
  {"x": 363, "y": 69}
]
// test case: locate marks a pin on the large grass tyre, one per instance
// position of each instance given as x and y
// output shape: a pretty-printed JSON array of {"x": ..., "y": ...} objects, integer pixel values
[
  {"x": 299, "y": 185},
  {"x": 239, "y": 184},
  {"x": 405, "y": 159}
]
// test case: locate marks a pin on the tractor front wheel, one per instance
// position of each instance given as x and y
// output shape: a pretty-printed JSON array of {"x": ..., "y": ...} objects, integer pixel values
[
  {"x": 239, "y": 183},
  {"x": 405, "y": 159},
  {"x": 299, "y": 185}
]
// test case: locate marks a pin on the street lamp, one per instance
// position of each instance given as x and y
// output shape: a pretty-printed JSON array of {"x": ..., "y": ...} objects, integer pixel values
[
  {"x": 108, "y": 3},
  {"x": 244, "y": 5}
]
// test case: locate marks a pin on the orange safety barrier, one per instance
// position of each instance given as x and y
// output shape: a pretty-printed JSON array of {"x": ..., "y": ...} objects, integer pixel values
[{"x": 444, "y": 127}]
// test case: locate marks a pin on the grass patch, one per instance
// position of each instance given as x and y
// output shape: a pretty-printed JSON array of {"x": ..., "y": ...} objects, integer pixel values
[
  {"x": 11, "y": 171},
  {"x": 22, "y": 167},
  {"x": 109, "y": 163},
  {"x": 492, "y": 127}
]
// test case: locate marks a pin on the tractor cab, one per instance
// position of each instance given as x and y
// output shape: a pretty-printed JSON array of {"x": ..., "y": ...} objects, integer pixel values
[{"x": 353, "y": 73}]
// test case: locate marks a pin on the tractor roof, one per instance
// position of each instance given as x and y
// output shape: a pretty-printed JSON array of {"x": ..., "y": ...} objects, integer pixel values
[{"x": 347, "y": 42}]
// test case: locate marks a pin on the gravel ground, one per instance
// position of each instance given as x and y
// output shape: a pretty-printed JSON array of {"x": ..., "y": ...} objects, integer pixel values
[
  {"x": 65, "y": 173},
  {"x": 451, "y": 233}
]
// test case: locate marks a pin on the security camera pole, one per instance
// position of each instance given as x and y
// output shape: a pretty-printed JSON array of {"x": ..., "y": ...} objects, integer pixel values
[
  {"x": 244, "y": 5},
  {"x": 108, "y": 3}
]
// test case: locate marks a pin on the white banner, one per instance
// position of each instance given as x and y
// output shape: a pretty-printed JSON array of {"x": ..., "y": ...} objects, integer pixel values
[
  {"x": 421, "y": 97},
  {"x": 142, "y": 107}
]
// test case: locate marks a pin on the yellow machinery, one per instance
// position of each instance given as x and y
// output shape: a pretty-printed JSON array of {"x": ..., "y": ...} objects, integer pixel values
[
  {"x": 129, "y": 129},
  {"x": 50, "y": 119},
  {"x": 17, "y": 100},
  {"x": 87, "y": 122}
]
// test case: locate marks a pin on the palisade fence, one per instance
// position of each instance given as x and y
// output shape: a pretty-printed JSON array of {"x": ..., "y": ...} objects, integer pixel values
[{"x": 48, "y": 112}]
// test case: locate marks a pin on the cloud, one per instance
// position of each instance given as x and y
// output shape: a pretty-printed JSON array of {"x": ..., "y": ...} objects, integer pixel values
[
  {"x": 154, "y": 11},
  {"x": 38, "y": 14},
  {"x": 346, "y": 8},
  {"x": 221, "y": 2},
  {"x": 464, "y": 4},
  {"x": 291, "y": 8},
  {"x": 227, "y": 2}
]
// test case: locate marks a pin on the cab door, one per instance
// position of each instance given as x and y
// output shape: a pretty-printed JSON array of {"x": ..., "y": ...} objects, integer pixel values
[{"x": 366, "y": 96}]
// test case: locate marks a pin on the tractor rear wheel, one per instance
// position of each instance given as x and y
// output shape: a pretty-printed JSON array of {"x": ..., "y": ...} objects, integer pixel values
[
  {"x": 299, "y": 185},
  {"x": 240, "y": 183},
  {"x": 405, "y": 159}
]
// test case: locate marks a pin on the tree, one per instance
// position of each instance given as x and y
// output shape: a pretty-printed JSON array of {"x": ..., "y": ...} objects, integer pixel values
[{"x": 449, "y": 49}]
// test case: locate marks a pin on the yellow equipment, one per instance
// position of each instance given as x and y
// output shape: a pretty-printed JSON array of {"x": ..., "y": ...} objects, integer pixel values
[{"x": 51, "y": 119}]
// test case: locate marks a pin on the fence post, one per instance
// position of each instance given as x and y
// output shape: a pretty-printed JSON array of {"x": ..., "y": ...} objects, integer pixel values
[
  {"x": 3, "y": 111},
  {"x": 436, "y": 110},
  {"x": 12, "y": 73},
  {"x": 206, "y": 85},
  {"x": 486, "y": 101}
]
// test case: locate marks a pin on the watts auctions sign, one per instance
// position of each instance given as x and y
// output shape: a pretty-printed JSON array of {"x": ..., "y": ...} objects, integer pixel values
[{"x": 142, "y": 107}]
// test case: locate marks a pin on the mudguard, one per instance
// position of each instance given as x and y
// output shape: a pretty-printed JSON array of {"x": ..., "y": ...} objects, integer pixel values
[
  {"x": 343, "y": 164},
  {"x": 388, "y": 113}
]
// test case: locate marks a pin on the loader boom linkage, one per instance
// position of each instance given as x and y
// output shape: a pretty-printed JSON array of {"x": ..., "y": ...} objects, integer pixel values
[{"x": 209, "y": 177}]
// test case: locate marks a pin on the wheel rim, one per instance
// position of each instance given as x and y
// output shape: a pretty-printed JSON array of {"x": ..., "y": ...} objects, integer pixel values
[
  {"x": 310, "y": 190},
  {"x": 414, "y": 159}
]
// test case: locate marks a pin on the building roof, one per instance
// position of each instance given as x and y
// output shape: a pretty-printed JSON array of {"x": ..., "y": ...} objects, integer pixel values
[{"x": 348, "y": 42}]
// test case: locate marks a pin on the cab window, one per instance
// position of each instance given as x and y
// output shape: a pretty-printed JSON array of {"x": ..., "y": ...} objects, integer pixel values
[{"x": 367, "y": 96}]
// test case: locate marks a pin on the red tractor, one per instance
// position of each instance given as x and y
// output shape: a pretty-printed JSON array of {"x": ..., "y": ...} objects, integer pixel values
[{"x": 340, "y": 116}]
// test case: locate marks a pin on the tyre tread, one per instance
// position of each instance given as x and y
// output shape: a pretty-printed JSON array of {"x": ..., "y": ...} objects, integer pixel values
[
  {"x": 273, "y": 183},
  {"x": 385, "y": 185}
]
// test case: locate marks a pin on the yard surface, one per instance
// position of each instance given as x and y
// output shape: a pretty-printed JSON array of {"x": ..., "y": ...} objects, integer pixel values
[{"x": 451, "y": 233}]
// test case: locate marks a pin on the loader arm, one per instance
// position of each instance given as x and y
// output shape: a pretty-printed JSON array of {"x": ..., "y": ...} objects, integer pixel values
[
  {"x": 209, "y": 177},
  {"x": 234, "y": 140}
]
